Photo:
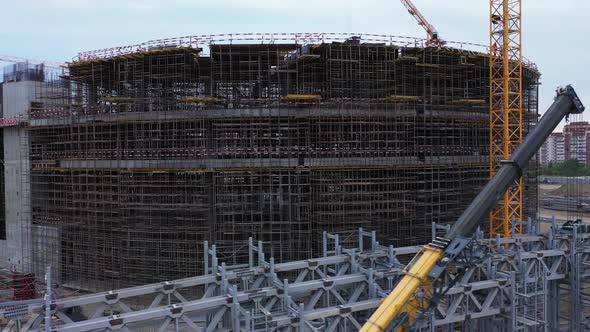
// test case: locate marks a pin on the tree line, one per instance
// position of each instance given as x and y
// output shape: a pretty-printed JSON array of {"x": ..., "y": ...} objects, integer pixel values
[{"x": 566, "y": 168}]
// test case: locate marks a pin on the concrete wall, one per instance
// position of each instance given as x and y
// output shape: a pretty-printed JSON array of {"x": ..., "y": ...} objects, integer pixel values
[
  {"x": 17, "y": 97},
  {"x": 15, "y": 251}
]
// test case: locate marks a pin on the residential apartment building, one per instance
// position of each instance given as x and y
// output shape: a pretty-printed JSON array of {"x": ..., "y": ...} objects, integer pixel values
[
  {"x": 553, "y": 150},
  {"x": 572, "y": 143},
  {"x": 577, "y": 141}
]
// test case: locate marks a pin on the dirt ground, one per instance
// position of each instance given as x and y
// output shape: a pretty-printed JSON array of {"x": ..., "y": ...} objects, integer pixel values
[
  {"x": 563, "y": 215},
  {"x": 573, "y": 189},
  {"x": 547, "y": 188}
]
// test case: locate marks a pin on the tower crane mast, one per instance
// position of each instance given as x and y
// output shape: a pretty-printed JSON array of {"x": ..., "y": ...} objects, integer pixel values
[{"x": 506, "y": 108}]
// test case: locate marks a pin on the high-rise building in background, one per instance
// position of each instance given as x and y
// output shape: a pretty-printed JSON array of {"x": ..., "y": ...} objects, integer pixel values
[
  {"x": 572, "y": 144},
  {"x": 553, "y": 150},
  {"x": 577, "y": 141}
]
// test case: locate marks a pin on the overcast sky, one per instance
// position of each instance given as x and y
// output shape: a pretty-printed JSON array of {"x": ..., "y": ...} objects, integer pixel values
[{"x": 555, "y": 33}]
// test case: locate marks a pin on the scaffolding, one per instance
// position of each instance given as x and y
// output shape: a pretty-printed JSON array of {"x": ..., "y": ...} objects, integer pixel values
[
  {"x": 140, "y": 154},
  {"x": 528, "y": 282}
]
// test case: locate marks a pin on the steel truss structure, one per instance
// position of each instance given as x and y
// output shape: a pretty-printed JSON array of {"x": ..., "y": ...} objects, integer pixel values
[{"x": 522, "y": 283}]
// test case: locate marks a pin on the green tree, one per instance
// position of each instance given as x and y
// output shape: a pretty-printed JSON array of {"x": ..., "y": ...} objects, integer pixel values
[{"x": 566, "y": 168}]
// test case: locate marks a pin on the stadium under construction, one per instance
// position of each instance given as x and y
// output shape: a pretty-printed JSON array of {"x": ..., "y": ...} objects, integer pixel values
[
  {"x": 147, "y": 173},
  {"x": 138, "y": 155}
]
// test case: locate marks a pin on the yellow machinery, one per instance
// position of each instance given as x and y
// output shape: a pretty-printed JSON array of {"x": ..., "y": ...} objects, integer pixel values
[
  {"x": 506, "y": 118},
  {"x": 403, "y": 297},
  {"x": 413, "y": 291}
]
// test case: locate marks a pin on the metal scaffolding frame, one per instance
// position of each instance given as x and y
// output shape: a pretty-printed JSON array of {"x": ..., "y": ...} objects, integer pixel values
[
  {"x": 497, "y": 287},
  {"x": 507, "y": 112},
  {"x": 140, "y": 153}
]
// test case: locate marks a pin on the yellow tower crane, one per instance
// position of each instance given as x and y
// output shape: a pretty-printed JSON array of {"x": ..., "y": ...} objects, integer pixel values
[
  {"x": 509, "y": 154},
  {"x": 506, "y": 114}
]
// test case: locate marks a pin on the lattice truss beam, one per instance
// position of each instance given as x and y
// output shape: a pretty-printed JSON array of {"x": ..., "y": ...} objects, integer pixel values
[
  {"x": 513, "y": 288},
  {"x": 506, "y": 107}
]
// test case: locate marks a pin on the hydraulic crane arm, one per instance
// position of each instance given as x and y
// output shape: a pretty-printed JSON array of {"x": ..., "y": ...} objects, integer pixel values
[{"x": 434, "y": 258}]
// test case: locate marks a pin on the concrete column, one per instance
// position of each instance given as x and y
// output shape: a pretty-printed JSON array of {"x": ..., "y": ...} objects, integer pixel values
[{"x": 15, "y": 251}]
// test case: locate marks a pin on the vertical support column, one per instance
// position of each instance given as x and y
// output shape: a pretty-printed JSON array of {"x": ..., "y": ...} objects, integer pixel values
[
  {"x": 48, "y": 300},
  {"x": 16, "y": 251},
  {"x": 575, "y": 286},
  {"x": 553, "y": 298},
  {"x": 505, "y": 107}
]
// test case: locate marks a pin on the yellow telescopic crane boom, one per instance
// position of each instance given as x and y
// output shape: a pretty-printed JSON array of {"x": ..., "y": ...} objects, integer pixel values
[
  {"x": 401, "y": 306},
  {"x": 433, "y": 39}
]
